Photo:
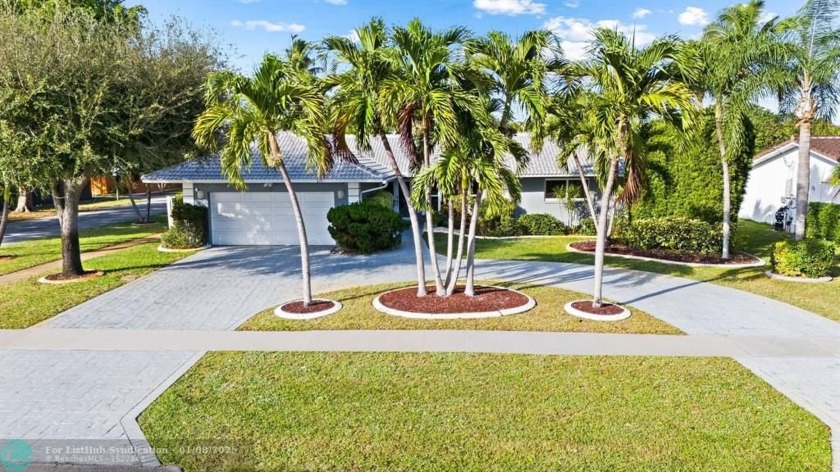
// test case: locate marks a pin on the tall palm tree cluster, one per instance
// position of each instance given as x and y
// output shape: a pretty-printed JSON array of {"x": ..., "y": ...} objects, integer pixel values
[{"x": 455, "y": 99}]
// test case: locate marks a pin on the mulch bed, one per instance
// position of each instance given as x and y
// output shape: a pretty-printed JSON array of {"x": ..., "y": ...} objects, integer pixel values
[
  {"x": 314, "y": 307},
  {"x": 737, "y": 258},
  {"x": 88, "y": 274},
  {"x": 604, "y": 309},
  {"x": 485, "y": 299}
]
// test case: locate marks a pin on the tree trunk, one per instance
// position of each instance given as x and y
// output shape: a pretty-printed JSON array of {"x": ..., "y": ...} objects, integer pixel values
[
  {"x": 4, "y": 219},
  {"x": 469, "y": 289},
  {"x": 430, "y": 223},
  {"x": 459, "y": 256},
  {"x": 412, "y": 216},
  {"x": 58, "y": 201},
  {"x": 803, "y": 178},
  {"x": 450, "y": 243},
  {"x": 148, "y": 204},
  {"x": 71, "y": 254},
  {"x": 727, "y": 192},
  {"x": 133, "y": 203},
  {"x": 24, "y": 203},
  {"x": 304, "y": 242},
  {"x": 601, "y": 232},
  {"x": 586, "y": 192}
]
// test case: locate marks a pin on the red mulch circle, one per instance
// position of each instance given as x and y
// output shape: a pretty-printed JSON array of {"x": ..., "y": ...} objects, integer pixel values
[
  {"x": 88, "y": 274},
  {"x": 314, "y": 307},
  {"x": 485, "y": 299},
  {"x": 604, "y": 309},
  {"x": 687, "y": 257}
]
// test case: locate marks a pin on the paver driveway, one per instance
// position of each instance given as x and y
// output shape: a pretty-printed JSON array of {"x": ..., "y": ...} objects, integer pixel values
[{"x": 59, "y": 394}]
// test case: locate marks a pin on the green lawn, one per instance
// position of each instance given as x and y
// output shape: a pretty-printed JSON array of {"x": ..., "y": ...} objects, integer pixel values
[
  {"x": 548, "y": 315},
  {"x": 40, "y": 251},
  {"x": 25, "y": 303},
  {"x": 391, "y": 412},
  {"x": 754, "y": 238}
]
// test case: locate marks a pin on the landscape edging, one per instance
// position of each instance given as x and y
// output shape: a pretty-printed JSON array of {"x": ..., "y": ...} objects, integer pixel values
[
  {"x": 759, "y": 261},
  {"x": 456, "y": 316}
]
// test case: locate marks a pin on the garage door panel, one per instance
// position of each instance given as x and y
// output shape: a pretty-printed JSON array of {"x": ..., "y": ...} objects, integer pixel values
[{"x": 266, "y": 218}]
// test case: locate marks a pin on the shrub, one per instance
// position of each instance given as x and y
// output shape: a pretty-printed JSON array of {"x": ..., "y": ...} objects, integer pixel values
[
  {"x": 542, "y": 224},
  {"x": 499, "y": 222},
  {"x": 808, "y": 258},
  {"x": 585, "y": 227},
  {"x": 189, "y": 226},
  {"x": 823, "y": 221},
  {"x": 365, "y": 227},
  {"x": 382, "y": 198},
  {"x": 672, "y": 234}
]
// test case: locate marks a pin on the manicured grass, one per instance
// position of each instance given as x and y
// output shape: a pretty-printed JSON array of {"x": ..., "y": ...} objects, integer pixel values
[
  {"x": 25, "y": 303},
  {"x": 390, "y": 411},
  {"x": 548, "y": 315},
  {"x": 754, "y": 238},
  {"x": 98, "y": 203},
  {"x": 40, "y": 251}
]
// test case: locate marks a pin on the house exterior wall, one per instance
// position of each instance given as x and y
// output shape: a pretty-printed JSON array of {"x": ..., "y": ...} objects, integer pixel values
[
  {"x": 534, "y": 201},
  {"x": 339, "y": 189},
  {"x": 774, "y": 179}
]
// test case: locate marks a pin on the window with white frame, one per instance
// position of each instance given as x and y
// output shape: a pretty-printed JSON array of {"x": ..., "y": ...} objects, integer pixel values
[{"x": 563, "y": 189}]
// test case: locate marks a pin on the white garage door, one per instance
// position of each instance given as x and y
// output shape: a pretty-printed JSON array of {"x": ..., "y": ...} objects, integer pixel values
[{"x": 266, "y": 218}]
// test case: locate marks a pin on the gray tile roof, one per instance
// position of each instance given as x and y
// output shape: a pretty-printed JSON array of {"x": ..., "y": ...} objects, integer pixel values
[{"x": 372, "y": 164}]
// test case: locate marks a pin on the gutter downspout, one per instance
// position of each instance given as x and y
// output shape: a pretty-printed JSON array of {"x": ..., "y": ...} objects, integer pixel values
[{"x": 385, "y": 184}]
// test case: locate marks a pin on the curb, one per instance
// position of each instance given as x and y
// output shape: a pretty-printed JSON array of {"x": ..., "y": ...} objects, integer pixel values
[
  {"x": 456, "y": 316},
  {"x": 44, "y": 280},
  {"x": 758, "y": 263},
  {"x": 589, "y": 316},
  {"x": 801, "y": 280},
  {"x": 286, "y": 315}
]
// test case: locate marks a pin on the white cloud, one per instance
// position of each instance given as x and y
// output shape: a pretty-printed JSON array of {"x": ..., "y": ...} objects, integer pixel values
[
  {"x": 510, "y": 7},
  {"x": 641, "y": 13},
  {"x": 767, "y": 16},
  {"x": 353, "y": 36},
  {"x": 293, "y": 28},
  {"x": 336, "y": 2},
  {"x": 576, "y": 33},
  {"x": 572, "y": 4},
  {"x": 693, "y": 16}
]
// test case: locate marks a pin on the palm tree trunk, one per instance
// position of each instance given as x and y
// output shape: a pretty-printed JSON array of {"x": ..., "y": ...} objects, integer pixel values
[
  {"x": 601, "y": 238},
  {"x": 450, "y": 243},
  {"x": 459, "y": 256},
  {"x": 71, "y": 254},
  {"x": 727, "y": 191},
  {"x": 301, "y": 227},
  {"x": 469, "y": 289},
  {"x": 430, "y": 223},
  {"x": 586, "y": 192},
  {"x": 4, "y": 219},
  {"x": 412, "y": 216},
  {"x": 803, "y": 178}
]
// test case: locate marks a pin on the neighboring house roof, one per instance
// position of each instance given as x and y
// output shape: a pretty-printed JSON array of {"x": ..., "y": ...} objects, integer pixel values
[
  {"x": 372, "y": 165},
  {"x": 826, "y": 146}
]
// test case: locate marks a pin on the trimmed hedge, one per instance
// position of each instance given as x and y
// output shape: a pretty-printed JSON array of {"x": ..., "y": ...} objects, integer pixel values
[
  {"x": 542, "y": 224},
  {"x": 807, "y": 258},
  {"x": 382, "y": 198},
  {"x": 673, "y": 234},
  {"x": 823, "y": 221},
  {"x": 365, "y": 227},
  {"x": 189, "y": 226}
]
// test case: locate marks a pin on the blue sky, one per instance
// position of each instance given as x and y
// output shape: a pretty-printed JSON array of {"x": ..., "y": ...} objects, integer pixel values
[{"x": 255, "y": 27}]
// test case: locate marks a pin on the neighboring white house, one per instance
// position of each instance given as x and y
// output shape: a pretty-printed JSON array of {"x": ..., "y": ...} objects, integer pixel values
[
  {"x": 262, "y": 215},
  {"x": 772, "y": 181}
]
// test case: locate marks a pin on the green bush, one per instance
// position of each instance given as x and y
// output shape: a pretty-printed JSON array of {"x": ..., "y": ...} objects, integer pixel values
[
  {"x": 807, "y": 258},
  {"x": 586, "y": 227},
  {"x": 189, "y": 226},
  {"x": 499, "y": 221},
  {"x": 672, "y": 234},
  {"x": 381, "y": 198},
  {"x": 542, "y": 224},
  {"x": 823, "y": 221},
  {"x": 365, "y": 227}
]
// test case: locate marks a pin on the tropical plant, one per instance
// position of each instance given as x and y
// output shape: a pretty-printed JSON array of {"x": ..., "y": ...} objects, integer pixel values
[
  {"x": 358, "y": 105},
  {"x": 426, "y": 93},
  {"x": 627, "y": 87},
  {"x": 246, "y": 114},
  {"x": 740, "y": 57},
  {"x": 813, "y": 79}
]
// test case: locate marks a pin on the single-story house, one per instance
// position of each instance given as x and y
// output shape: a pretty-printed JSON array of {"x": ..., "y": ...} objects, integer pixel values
[
  {"x": 772, "y": 181},
  {"x": 262, "y": 215}
]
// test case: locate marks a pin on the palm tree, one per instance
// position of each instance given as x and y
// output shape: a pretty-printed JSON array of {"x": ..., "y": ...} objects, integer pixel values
[
  {"x": 518, "y": 71},
  {"x": 629, "y": 86},
  {"x": 740, "y": 56},
  {"x": 813, "y": 85},
  {"x": 358, "y": 102},
  {"x": 246, "y": 113},
  {"x": 425, "y": 93}
]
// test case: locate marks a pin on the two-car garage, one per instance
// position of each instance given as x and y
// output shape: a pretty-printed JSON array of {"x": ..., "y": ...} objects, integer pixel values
[{"x": 266, "y": 218}]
